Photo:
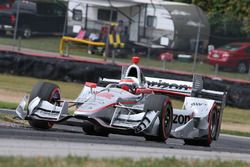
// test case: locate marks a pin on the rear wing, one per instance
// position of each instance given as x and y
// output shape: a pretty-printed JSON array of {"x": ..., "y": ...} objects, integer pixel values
[
  {"x": 169, "y": 86},
  {"x": 186, "y": 88},
  {"x": 198, "y": 91}
]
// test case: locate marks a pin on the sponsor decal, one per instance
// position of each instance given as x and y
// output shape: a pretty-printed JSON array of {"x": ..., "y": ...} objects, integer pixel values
[
  {"x": 105, "y": 95},
  {"x": 198, "y": 104},
  {"x": 181, "y": 119},
  {"x": 168, "y": 86}
]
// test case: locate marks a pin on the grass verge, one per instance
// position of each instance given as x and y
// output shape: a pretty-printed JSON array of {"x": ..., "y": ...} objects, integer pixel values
[
  {"x": 72, "y": 161},
  {"x": 16, "y": 84},
  {"x": 235, "y": 133},
  {"x": 11, "y": 119},
  {"x": 8, "y": 105}
]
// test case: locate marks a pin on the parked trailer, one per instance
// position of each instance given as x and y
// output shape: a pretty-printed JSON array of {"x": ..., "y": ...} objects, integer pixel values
[{"x": 158, "y": 25}]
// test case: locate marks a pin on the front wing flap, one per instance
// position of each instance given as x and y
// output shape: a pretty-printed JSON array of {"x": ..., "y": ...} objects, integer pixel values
[{"x": 41, "y": 109}]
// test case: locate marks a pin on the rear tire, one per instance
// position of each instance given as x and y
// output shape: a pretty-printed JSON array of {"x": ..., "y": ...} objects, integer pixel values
[
  {"x": 213, "y": 126},
  {"x": 46, "y": 91},
  {"x": 163, "y": 104}
]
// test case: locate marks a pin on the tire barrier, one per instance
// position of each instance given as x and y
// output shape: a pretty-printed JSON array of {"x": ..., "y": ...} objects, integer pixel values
[
  {"x": 55, "y": 68},
  {"x": 65, "y": 69}
]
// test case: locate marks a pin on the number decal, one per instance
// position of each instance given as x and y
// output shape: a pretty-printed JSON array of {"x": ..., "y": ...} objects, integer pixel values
[{"x": 181, "y": 119}]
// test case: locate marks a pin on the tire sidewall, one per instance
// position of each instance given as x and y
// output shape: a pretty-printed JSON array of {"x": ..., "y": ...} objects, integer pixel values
[
  {"x": 45, "y": 91},
  {"x": 163, "y": 130},
  {"x": 163, "y": 104},
  {"x": 212, "y": 125}
]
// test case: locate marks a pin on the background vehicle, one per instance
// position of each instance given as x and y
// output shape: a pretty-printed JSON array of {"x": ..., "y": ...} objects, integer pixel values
[
  {"x": 34, "y": 18},
  {"x": 5, "y": 4},
  {"x": 134, "y": 105},
  {"x": 148, "y": 24},
  {"x": 233, "y": 55}
]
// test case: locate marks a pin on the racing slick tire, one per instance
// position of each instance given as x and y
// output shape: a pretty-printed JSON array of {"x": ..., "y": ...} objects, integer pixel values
[
  {"x": 213, "y": 127},
  {"x": 91, "y": 129},
  {"x": 46, "y": 91},
  {"x": 163, "y": 104}
]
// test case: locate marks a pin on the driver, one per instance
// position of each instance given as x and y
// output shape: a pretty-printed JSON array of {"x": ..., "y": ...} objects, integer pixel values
[{"x": 129, "y": 84}]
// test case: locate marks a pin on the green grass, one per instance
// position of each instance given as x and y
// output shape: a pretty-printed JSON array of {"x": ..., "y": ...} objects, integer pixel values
[
  {"x": 25, "y": 84},
  {"x": 52, "y": 44},
  {"x": 236, "y": 115},
  {"x": 236, "y": 133},
  {"x": 40, "y": 43},
  {"x": 8, "y": 105},
  {"x": 72, "y": 161}
]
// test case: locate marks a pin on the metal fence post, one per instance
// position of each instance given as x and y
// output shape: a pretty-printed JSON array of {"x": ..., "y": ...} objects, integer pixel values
[
  {"x": 216, "y": 68},
  {"x": 113, "y": 56},
  {"x": 67, "y": 49},
  {"x": 249, "y": 71},
  {"x": 17, "y": 19},
  {"x": 19, "y": 43},
  {"x": 148, "y": 52},
  {"x": 164, "y": 64}
]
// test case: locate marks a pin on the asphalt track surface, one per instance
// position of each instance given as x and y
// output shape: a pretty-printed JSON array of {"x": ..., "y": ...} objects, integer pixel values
[{"x": 66, "y": 140}]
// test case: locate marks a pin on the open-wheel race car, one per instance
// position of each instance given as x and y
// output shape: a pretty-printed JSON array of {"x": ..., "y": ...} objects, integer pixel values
[{"x": 134, "y": 105}]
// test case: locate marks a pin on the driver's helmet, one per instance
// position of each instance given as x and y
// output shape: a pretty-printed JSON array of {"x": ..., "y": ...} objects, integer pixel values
[{"x": 129, "y": 84}]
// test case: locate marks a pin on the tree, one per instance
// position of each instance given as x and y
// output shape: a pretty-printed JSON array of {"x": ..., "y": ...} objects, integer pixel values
[{"x": 228, "y": 17}]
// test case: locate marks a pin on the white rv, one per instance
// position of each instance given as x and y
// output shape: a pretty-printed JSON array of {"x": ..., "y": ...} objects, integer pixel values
[{"x": 149, "y": 23}]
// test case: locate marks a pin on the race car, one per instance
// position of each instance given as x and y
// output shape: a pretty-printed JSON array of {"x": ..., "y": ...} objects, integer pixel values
[{"x": 134, "y": 105}]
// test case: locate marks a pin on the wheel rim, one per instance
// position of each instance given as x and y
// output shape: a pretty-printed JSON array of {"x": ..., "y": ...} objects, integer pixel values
[
  {"x": 213, "y": 124},
  {"x": 55, "y": 97},
  {"x": 242, "y": 68},
  {"x": 167, "y": 121},
  {"x": 27, "y": 33},
  {"x": 90, "y": 52}
]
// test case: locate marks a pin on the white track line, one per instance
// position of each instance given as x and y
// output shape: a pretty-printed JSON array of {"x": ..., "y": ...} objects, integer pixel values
[{"x": 32, "y": 148}]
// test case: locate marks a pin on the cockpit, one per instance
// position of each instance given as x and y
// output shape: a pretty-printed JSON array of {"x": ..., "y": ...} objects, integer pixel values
[{"x": 134, "y": 72}]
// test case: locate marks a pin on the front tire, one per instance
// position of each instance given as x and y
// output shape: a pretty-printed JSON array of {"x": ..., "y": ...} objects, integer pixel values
[
  {"x": 91, "y": 129},
  {"x": 46, "y": 91},
  {"x": 163, "y": 104}
]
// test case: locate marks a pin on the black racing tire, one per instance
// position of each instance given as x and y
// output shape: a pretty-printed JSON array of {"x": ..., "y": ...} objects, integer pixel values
[
  {"x": 46, "y": 91},
  {"x": 91, "y": 129},
  {"x": 163, "y": 104},
  {"x": 88, "y": 128},
  {"x": 242, "y": 67},
  {"x": 213, "y": 125}
]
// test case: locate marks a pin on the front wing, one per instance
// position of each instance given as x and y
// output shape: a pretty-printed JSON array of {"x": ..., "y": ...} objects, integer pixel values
[{"x": 139, "y": 122}]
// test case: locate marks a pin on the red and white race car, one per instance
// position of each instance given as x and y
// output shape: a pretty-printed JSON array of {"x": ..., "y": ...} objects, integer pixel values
[{"x": 134, "y": 105}]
